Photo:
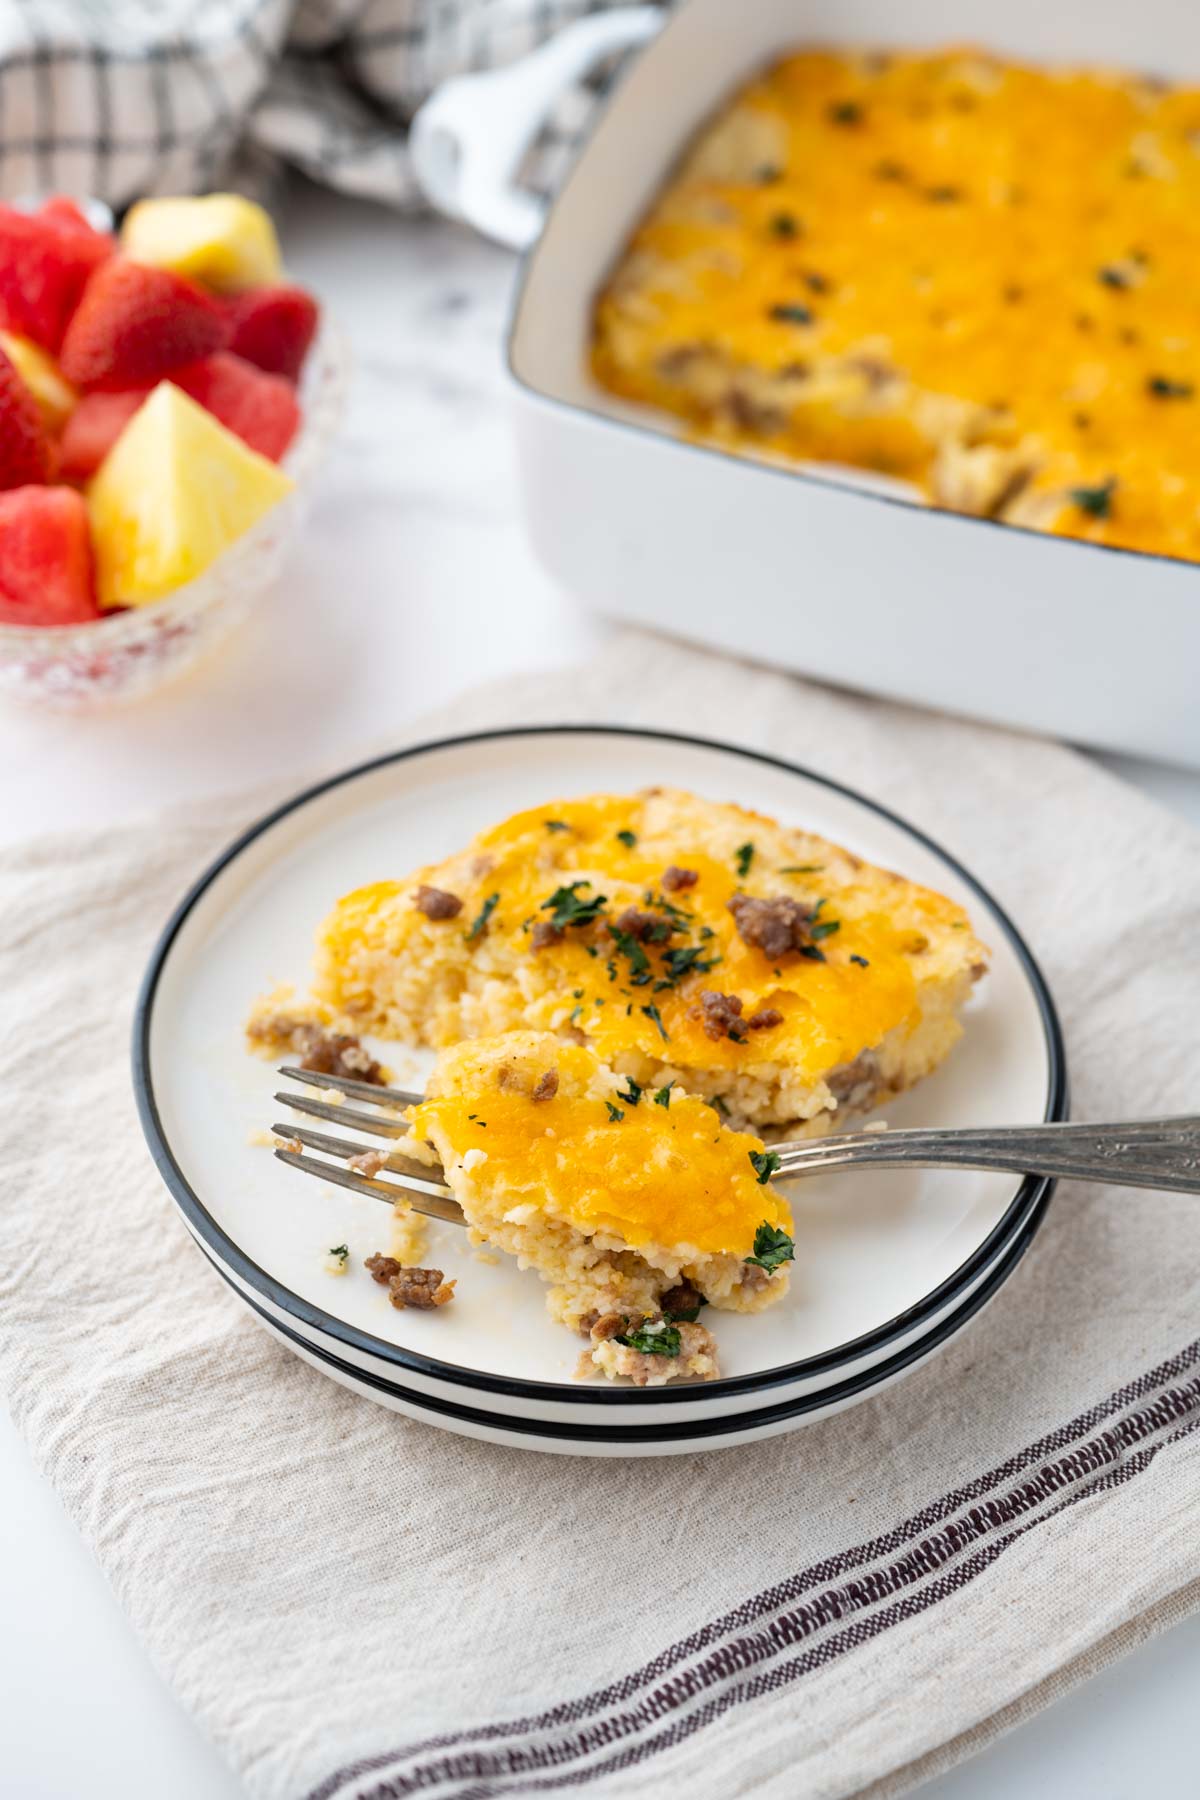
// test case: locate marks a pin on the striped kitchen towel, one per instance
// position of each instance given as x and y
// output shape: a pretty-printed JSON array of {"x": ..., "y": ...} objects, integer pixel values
[
  {"x": 118, "y": 101},
  {"x": 360, "y": 1607}
]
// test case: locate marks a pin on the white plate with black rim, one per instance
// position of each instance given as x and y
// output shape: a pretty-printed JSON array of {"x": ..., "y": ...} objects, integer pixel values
[{"x": 890, "y": 1265}]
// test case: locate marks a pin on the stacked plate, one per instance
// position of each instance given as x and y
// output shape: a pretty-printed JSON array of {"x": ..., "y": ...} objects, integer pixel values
[{"x": 890, "y": 1265}]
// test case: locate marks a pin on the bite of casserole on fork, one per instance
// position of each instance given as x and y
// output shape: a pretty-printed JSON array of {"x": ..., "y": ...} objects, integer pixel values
[{"x": 636, "y": 1206}]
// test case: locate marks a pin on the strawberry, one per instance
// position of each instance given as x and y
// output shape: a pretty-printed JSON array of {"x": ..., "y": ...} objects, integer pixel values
[
  {"x": 45, "y": 262},
  {"x": 93, "y": 428},
  {"x": 46, "y": 571},
  {"x": 25, "y": 451},
  {"x": 259, "y": 408},
  {"x": 273, "y": 327},
  {"x": 135, "y": 324}
]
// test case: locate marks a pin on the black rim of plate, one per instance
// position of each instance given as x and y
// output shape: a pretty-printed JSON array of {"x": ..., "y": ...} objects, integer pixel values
[
  {"x": 315, "y": 1318},
  {"x": 433, "y": 1410}
]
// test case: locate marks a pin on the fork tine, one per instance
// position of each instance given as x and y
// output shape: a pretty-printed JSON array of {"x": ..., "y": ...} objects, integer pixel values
[
  {"x": 373, "y": 1123},
  {"x": 447, "y": 1210},
  {"x": 430, "y": 1173},
  {"x": 357, "y": 1090}
]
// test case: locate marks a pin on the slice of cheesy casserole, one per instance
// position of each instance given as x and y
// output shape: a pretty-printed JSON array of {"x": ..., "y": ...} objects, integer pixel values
[
  {"x": 760, "y": 967},
  {"x": 973, "y": 275},
  {"x": 636, "y": 1206}
]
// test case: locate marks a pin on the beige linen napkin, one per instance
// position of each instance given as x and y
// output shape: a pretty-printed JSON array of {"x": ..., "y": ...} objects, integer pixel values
[{"x": 357, "y": 1605}]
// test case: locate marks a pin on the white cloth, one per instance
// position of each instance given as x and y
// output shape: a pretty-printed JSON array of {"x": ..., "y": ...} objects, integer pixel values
[
  {"x": 357, "y": 1605},
  {"x": 119, "y": 101}
]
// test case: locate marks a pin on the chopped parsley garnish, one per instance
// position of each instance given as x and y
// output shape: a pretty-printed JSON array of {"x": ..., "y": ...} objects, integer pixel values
[
  {"x": 792, "y": 312},
  {"x": 627, "y": 838},
  {"x": 556, "y": 825},
  {"x": 719, "y": 1105},
  {"x": 1163, "y": 388},
  {"x": 812, "y": 953},
  {"x": 1096, "y": 502},
  {"x": 479, "y": 926},
  {"x": 783, "y": 225},
  {"x": 846, "y": 112},
  {"x": 771, "y": 1248},
  {"x": 614, "y": 1112},
  {"x": 802, "y": 868},
  {"x": 577, "y": 993},
  {"x": 679, "y": 919},
  {"x": 824, "y": 930},
  {"x": 663, "y": 1096},
  {"x": 476, "y": 1120},
  {"x": 652, "y": 1012},
  {"x": 653, "y": 1338},
  {"x": 1112, "y": 277},
  {"x": 743, "y": 856},
  {"x": 341, "y": 1251},
  {"x": 632, "y": 1092},
  {"x": 565, "y": 908},
  {"x": 576, "y": 1014},
  {"x": 765, "y": 1164},
  {"x": 639, "y": 962},
  {"x": 686, "y": 961},
  {"x": 766, "y": 173},
  {"x": 861, "y": 961}
]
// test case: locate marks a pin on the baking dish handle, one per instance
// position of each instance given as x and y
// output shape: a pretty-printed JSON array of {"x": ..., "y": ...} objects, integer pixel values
[{"x": 469, "y": 139}]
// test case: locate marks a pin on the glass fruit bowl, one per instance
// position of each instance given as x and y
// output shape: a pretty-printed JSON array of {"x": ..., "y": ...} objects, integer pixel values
[{"x": 128, "y": 654}]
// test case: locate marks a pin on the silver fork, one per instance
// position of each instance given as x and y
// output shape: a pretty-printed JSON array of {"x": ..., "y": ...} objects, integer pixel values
[{"x": 1149, "y": 1153}]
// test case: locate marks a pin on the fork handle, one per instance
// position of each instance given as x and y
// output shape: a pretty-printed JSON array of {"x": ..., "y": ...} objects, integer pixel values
[{"x": 1150, "y": 1153}]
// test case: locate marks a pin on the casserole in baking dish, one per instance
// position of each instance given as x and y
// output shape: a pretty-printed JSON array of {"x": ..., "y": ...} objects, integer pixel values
[
  {"x": 837, "y": 572},
  {"x": 974, "y": 274}
]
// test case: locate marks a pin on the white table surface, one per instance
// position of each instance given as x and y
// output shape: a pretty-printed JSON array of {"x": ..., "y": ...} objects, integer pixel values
[{"x": 415, "y": 545}]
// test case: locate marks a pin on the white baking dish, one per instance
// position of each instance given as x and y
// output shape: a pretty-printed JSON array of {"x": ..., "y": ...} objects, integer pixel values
[{"x": 808, "y": 569}]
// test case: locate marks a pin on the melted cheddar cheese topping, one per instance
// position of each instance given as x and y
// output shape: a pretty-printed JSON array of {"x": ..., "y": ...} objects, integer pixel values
[
  {"x": 875, "y": 934},
  {"x": 645, "y": 1173},
  {"x": 978, "y": 276}
]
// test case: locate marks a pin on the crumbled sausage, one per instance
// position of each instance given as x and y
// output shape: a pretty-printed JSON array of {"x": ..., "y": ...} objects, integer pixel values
[
  {"x": 647, "y": 927},
  {"x": 547, "y": 1085},
  {"x": 436, "y": 903},
  {"x": 674, "y": 878},
  {"x": 721, "y": 1015},
  {"x": 382, "y": 1267},
  {"x": 331, "y": 1053},
  {"x": 420, "y": 1288},
  {"x": 772, "y": 926},
  {"x": 369, "y": 1162},
  {"x": 544, "y": 934},
  {"x": 764, "y": 1018},
  {"x": 324, "y": 1052},
  {"x": 681, "y": 1299},
  {"x": 610, "y": 1325}
]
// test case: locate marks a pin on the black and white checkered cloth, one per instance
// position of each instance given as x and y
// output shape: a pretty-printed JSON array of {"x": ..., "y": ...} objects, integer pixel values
[{"x": 120, "y": 98}]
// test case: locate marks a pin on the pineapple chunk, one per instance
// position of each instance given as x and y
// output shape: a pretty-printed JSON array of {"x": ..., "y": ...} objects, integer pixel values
[
  {"x": 173, "y": 492},
  {"x": 220, "y": 240},
  {"x": 54, "y": 394}
]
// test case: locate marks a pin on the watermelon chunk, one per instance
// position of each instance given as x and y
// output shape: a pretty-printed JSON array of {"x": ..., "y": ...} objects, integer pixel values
[
  {"x": 261, "y": 409},
  {"x": 46, "y": 571},
  {"x": 93, "y": 428},
  {"x": 46, "y": 260}
]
